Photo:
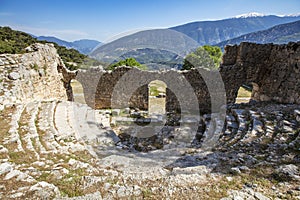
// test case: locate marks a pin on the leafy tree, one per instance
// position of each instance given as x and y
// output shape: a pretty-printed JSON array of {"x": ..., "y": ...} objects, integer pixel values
[
  {"x": 204, "y": 57},
  {"x": 130, "y": 62},
  {"x": 215, "y": 53}
]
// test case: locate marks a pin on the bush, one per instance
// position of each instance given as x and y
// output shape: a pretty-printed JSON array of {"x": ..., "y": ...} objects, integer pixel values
[{"x": 130, "y": 62}]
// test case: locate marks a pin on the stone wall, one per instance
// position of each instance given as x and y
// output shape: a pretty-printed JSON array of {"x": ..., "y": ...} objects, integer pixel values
[
  {"x": 272, "y": 69},
  {"x": 128, "y": 87},
  {"x": 31, "y": 76}
]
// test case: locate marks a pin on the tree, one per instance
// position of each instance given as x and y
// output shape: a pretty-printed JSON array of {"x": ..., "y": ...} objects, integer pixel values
[
  {"x": 204, "y": 57},
  {"x": 215, "y": 53},
  {"x": 130, "y": 62}
]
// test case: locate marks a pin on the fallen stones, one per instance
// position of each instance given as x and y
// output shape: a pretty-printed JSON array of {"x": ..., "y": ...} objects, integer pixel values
[
  {"x": 245, "y": 193},
  {"x": 5, "y": 168},
  {"x": 288, "y": 172},
  {"x": 14, "y": 76},
  {"x": 44, "y": 190}
]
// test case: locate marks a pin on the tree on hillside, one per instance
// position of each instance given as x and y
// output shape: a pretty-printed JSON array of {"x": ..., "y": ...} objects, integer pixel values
[
  {"x": 204, "y": 57},
  {"x": 12, "y": 41},
  {"x": 130, "y": 62}
]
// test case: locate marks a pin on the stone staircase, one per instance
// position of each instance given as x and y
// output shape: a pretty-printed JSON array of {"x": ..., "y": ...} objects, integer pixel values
[
  {"x": 50, "y": 148},
  {"x": 43, "y": 136},
  {"x": 261, "y": 127}
]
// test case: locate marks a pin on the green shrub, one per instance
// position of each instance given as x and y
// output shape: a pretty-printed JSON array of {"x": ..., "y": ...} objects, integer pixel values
[{"x": 130, "y": 62}]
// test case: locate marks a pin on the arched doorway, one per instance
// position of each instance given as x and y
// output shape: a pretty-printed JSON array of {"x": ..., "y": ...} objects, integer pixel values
[
  {"x": 157, "y": 97},
  {"x": 77, "y": 91}
]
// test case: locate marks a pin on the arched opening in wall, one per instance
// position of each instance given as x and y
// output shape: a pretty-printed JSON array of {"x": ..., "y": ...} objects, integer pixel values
[
  {"x": 77, "y": 91},
  {"x": 157, "y": 97},
  {"x": 244, "y": 93}
]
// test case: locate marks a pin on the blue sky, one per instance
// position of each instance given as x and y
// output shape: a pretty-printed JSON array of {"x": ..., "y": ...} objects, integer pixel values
[{"x": 103, "y": 19}]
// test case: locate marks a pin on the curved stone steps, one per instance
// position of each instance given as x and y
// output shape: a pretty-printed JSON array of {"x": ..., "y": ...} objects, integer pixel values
[
  {"x": 46, "y": 127},
  {"x": 89, "y": 129},
  {"x": 14, "y": 136},
  {"x": 243, "y": 121},
  {"x": 255, "y": 128},
  {"x": 230, "y": 128},
  {"x": 63, "y": 127},
  {"x": 214, "y": 130},
  {"x": 31, "y": 136}
]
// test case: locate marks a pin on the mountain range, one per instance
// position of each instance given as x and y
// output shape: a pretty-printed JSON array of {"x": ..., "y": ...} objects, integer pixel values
[
  {"x": 167, "y": 47},
  {"x": 84, "y": 46},
  {"x": 279, "y": 34},
  {"x": 213, "y": 32},
  {"x": 160, "y": 46}
]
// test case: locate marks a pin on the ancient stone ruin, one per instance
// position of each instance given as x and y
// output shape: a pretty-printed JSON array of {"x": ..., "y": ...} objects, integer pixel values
[
  {"x": 273, "y": 71},
  {"x": 51, "y": 148}
]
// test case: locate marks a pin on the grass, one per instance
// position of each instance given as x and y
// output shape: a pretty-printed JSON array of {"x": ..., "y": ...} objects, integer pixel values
[
  {"x": 45, "y": 69},
  {"x": 243, "y": 93},
  {"x": 70, "y": 185},
  {"x": 5, "y": 120},
  {"x": 156, "y": 87},
  {"x": 35, "y": 67},
  {"x": 153, "y": 91}
]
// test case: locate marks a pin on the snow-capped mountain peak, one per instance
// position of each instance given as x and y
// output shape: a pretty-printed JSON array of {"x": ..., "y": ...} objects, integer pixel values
[
  {"x": 292, "y": 15},
  {"x": 251, "y": 14}
]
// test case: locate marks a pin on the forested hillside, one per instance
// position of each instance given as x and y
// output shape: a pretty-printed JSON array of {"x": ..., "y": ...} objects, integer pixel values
[{"x": 13, "y": 42}]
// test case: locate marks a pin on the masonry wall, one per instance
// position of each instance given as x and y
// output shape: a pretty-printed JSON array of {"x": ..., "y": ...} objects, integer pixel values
[
  {"x": 31, "y": 76},
  {"x": 128, "y": 87},
  {"x": 273, "y": 70}
]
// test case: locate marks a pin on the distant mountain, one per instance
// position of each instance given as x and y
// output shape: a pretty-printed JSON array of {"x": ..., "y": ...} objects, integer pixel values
[
  {"x": 213, "y": 32},
  {"x": 155, "y": 59},
  {"x": 84, "y": 46},
  {"x": 55, "y": 40},
  {"x": 283, "y": 33},
  {"x": 160, "y": 47}
]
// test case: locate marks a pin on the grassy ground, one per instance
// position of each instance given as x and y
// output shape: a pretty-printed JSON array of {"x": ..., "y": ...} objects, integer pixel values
[
  {"x": 157, "y": 105},
  {"x": 243, "y": 95},
  {"x": 156, "y": 87}
]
